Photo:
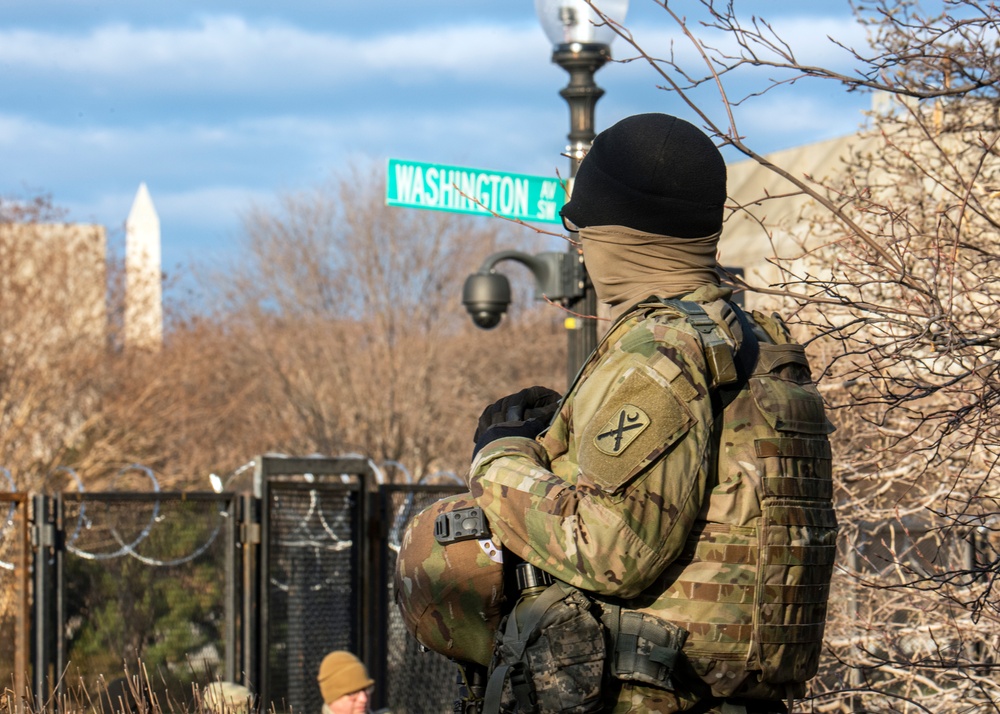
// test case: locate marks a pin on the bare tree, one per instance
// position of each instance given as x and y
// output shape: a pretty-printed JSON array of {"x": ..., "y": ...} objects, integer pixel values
[
  {"x": 894, "y": 280},
  {"x": 342, "y": 331},
  {"x": 353, "y": 309}
]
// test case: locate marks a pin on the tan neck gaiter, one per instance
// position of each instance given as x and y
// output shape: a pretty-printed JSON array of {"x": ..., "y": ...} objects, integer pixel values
[{"x": 627, "y": 265}]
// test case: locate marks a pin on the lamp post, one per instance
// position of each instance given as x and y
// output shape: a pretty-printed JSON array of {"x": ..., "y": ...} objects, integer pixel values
[{"x": 581, "y": 45}]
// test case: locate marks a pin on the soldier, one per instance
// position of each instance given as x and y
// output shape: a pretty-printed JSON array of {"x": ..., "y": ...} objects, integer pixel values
[{"x": 681, "y": 495}]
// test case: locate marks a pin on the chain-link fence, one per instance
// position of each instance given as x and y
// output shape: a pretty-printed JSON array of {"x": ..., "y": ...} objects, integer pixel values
[
  {"x": 197, "y": 587},
  {"x": 418, "y": 680},
  {"x": 313, "y": 598}
]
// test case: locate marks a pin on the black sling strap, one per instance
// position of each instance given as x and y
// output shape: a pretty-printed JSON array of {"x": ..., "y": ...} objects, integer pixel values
[
  {"x": 728, "y": 383},
  {"x": 746, "y": 358}
]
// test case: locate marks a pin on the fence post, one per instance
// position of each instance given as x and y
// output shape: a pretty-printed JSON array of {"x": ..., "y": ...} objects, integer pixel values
[
  {"x": 377, "y": 631},
  {"x": 252, "y": 621},
  {"x": 971, "y": 562},
  {"x": 234, "y": 574},
  {"x": 43, "y": 541}
]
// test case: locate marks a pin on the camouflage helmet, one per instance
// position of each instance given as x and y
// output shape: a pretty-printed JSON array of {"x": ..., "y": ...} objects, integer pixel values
[{"x": 449, "y": 595}]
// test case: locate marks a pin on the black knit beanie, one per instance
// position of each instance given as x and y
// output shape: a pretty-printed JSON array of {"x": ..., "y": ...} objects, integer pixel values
[{"x": 653, "y": 173}]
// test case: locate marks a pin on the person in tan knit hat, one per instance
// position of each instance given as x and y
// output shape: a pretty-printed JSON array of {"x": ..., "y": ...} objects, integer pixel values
[{"x": 344, "y": 683}]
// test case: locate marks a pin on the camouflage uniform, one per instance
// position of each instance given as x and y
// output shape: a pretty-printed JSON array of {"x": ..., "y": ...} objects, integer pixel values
[
  {"x": 630, "y": 495},
  {"x": 673, "y": 492}
]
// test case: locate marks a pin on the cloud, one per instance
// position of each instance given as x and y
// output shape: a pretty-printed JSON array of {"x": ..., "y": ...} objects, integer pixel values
[
  {"x": 230, "y": 53},
  {"x": 273, "y": 149},
  {"x": 226, "y": 109},
  {"x": 203, "y": 174}
]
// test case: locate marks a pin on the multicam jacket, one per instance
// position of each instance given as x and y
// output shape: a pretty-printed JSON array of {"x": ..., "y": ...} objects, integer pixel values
[{"x": 645, "y": 494}]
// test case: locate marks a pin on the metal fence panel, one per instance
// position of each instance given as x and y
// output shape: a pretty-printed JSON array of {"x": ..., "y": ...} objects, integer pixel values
[
  {"x": 258, "y": 587},
  {"x": 313, "y": 596},
  {"x": 146, "y": 578},
  {"x": 417, "y": 682}
]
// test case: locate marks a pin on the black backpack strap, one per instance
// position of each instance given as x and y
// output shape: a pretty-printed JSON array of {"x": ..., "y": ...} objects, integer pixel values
[
  {"x": 718, "y": 354},
  {"x": 703, "y": 705},
  {"x": 729, "y": 371},
  {"x": 745, "y": 358}
]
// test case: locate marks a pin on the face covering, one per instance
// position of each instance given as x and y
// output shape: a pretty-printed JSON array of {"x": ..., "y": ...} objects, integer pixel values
[{"x": 627, "y": 265}]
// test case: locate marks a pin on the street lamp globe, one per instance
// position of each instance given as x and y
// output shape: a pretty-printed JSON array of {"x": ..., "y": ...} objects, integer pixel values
[
  {"x": 581, "y": 44},
  {"x": 568, "y": 22}
]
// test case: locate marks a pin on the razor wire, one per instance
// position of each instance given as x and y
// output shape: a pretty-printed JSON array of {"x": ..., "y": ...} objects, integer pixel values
[
  {"x": 85, "y": 522},
  {"x": 315, "y": 507},
  {"x": 218, "y": 485},
  {"x": 326, "y": 539},
  {"x": 330, "y": 523},
  {"x": 10, "y": 514},
  {"x": 333, "y": 542}
]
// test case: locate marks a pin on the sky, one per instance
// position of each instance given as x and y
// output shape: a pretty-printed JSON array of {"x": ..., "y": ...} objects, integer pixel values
[{"x": 218, "y": 105}]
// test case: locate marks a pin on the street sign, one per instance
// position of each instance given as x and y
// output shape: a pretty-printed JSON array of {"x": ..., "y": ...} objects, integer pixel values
[{"x": 414, "y": 184}]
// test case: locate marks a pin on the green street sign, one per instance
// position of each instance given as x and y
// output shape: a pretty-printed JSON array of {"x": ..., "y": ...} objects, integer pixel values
[{"x": 413, "y": 184}]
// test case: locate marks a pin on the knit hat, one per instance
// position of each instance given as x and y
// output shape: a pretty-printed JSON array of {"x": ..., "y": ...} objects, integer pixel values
[
  {"x": 653, "y": 173},
  {"x": 341, "y": 673}
]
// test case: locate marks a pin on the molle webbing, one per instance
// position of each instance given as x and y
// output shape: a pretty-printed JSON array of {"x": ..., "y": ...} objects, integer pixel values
[
  {"x": 791, "y": 446},
  {"x": 724, "y": 592},
  {"x": 798, "y": 479},
  {"x": 728, "y": 634},
  {"x": 712, "y": 552}
]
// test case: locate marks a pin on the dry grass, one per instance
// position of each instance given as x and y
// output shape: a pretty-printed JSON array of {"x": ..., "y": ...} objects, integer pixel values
[{"x": 132, "y": 693}]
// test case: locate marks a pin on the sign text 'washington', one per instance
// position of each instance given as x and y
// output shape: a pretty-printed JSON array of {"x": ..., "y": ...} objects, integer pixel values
[{"x": 414, "y": 184}]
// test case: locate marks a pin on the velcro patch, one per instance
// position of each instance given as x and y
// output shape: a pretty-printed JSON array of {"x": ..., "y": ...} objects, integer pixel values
[
  {"x": 640, "y": 420},
  {"x": 621, "y": 430}
]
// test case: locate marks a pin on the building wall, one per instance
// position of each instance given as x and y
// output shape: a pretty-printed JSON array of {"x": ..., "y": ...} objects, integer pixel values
[{"x": 770, "y": 215}]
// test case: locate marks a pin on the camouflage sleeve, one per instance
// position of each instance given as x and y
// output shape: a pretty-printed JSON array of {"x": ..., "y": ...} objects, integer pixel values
[{"x": 605, "y": 500}]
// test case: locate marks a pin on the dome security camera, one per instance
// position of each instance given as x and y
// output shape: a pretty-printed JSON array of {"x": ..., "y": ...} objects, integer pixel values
[{"x": 486, "y": 297}]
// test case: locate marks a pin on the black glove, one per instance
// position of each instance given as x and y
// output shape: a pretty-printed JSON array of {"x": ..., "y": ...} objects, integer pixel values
[
  {"x": 526, "y": 413},
  {"x": 530, "y": 403}
]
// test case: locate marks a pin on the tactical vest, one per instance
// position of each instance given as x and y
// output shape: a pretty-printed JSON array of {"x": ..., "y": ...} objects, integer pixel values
[
  {"x": 746, "y": 600},
  {"x": 752, "y": 583}
]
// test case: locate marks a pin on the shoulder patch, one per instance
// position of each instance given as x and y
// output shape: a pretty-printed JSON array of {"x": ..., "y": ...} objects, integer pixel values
[
  {"x": 621, "y": 430},
  {"x": 640, "y": 420}
]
